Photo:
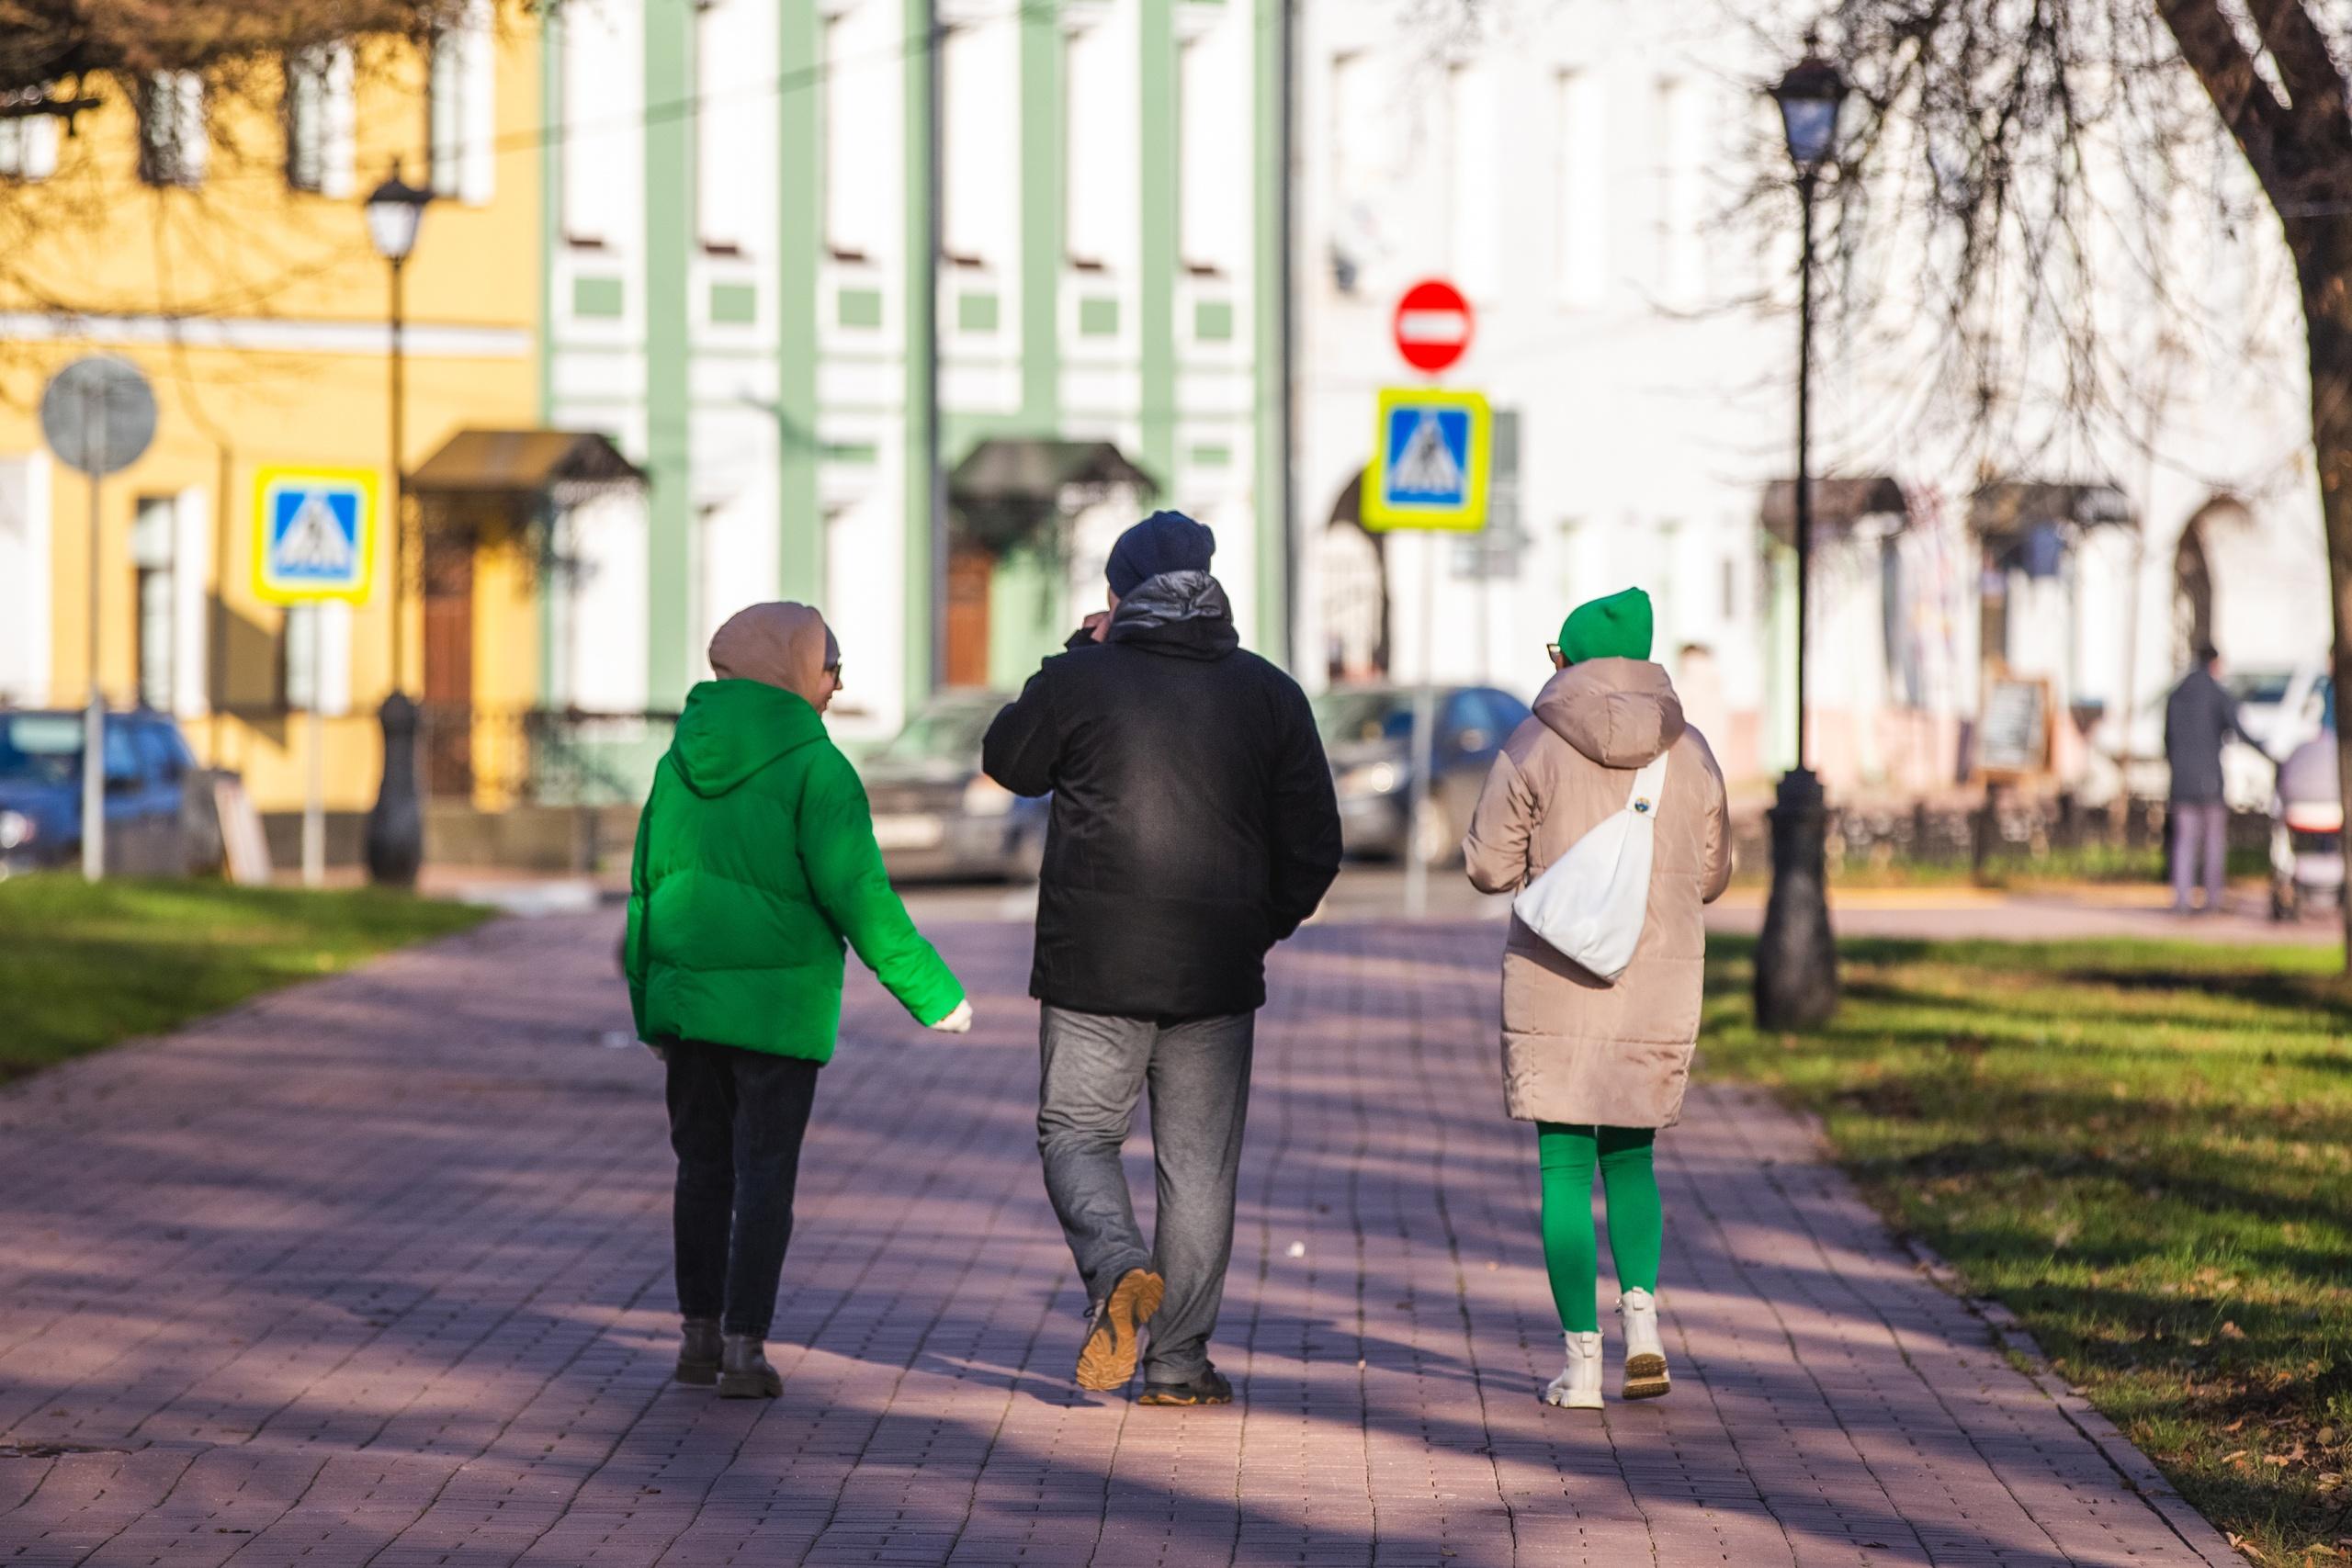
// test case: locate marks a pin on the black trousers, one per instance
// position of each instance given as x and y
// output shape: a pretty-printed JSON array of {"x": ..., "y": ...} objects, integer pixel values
[{"x": 736, "y": 1121}]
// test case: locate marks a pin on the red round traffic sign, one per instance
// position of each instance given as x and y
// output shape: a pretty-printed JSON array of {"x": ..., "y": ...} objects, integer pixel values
[{"x": 1433, "y": 324}]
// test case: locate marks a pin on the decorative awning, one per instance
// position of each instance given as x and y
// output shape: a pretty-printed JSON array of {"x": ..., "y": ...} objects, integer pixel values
[
  {"x": 2018, "y": 506},
  {"x": 559, "y": 466},
  {"x": 1010, "y": 487},
  {"x": 1837, "y": 503}
]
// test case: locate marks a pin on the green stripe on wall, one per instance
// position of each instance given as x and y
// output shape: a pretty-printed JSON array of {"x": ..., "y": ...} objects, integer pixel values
[
  {"x": 669, "y": 227},
  {"x": 1157, "y": 301},
  {"x": 1041, "y": 214},
  {"x": 800, "y": 528},
  {"x": 922, "y": 325}
]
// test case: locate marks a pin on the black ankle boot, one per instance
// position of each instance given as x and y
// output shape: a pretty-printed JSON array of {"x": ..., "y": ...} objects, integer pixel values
[
  {"x": 743, "y": 1369},
  {"x": 698, "y": 1351}
]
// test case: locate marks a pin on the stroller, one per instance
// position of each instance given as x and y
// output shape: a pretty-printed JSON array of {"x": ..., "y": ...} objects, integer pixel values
[{"x": 2307, "y": 827}]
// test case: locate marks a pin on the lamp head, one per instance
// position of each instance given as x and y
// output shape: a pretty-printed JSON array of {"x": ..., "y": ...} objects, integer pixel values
[
  {"x": 1811, "y": 95},
  {"x": 395, "y": 209}
]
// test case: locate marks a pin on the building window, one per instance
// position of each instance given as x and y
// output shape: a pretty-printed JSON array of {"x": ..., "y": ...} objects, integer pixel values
[
  {"x": 1581, "y": 200},
  {"x": 319, "y": 120},
  {"x": 1212, "y": 180},
  {"x": 857, "y": 203},
  {"x": 1356, "y": 172},
  {"x": 1092, "y": 87},
  {"x": 981, "y": 119},
  {"x": 1678, "y": 260},
  {"x": 1474, "y": 183},
  {"x": 27, "y": 142},
  {"x": 172, "y": 146},
  {"x": 731, "y": 44},
  {"x": 460, "y": 109},
  {"x": 593, "y": 84},
  {"x": 316, "y": 665},
  {"x": 153, "y": 551}
]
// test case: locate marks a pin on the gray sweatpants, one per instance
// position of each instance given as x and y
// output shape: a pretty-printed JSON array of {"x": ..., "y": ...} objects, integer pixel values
[
  {"x": 2200, "y": 843},
  {"x": 1093, "y": 1070}
]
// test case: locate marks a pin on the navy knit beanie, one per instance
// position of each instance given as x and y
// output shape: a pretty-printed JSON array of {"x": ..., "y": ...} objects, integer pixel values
[{"x": 1163, "y": 542}]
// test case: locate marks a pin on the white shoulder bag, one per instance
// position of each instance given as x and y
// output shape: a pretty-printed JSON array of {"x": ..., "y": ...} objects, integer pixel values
[{"x": 1591, "y": 903}]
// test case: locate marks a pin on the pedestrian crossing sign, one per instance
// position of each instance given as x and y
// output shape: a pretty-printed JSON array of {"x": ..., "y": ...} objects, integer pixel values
[
  {"x": 314, "y": 534},
  {"x": 1429, "y": 462}
]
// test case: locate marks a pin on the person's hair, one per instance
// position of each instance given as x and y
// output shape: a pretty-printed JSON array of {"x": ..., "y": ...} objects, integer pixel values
[{"x": 2206, "y": 654}]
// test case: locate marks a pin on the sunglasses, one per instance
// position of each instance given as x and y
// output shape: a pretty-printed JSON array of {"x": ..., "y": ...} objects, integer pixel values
[{"x": 1553, "y": 650}]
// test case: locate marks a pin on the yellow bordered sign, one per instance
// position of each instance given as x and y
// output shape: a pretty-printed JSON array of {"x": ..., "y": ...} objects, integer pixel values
[
  {"x": 1429, "y": 461},
  {"x": 314, "y": 534}
]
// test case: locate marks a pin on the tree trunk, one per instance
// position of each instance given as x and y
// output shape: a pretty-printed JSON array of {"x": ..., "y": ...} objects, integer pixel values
[{"x": 2323, "y": 262}]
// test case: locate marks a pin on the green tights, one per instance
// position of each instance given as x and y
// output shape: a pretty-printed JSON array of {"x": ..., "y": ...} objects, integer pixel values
[{"x": 1636, "y": 1222}]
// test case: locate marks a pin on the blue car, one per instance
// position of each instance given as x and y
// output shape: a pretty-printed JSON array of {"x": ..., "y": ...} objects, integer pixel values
[{"x": 151, "y": 808}]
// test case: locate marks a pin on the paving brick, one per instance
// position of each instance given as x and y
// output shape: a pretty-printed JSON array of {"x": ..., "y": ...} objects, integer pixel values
[{"x": 376, "y": 1271}]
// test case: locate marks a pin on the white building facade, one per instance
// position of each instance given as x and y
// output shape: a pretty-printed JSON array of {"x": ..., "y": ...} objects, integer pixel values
[{"x": 1578, "y": 170}]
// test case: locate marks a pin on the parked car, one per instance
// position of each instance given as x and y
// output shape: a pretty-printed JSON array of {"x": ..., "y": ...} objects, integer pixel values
[
  {"x": 2281, "y": 710},
  {"x": 1368, "y": 734},
  {"x": 155, "y": 804},
  {"x": 935, "y": 815}
]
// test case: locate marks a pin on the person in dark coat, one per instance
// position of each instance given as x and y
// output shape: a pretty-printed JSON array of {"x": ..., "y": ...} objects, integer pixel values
[
  {"x": 2200, "y": 716},
  {"x": 1192, "y": 828}
]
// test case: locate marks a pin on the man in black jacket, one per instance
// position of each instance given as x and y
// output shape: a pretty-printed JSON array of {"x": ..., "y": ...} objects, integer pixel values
[{"x": 1192, "y": 828}]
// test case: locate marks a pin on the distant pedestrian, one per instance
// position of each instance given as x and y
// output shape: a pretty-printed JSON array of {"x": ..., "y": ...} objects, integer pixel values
[
  {"x": 2200, "y": 717},
  {"x": 1192, "y": 828},
  {"x": 755, "y": 861},
  {"x": 1597, "y": 1065}
]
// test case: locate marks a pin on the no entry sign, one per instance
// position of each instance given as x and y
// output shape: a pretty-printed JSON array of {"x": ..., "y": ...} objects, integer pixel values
[{"x": 1433, "y": 325}]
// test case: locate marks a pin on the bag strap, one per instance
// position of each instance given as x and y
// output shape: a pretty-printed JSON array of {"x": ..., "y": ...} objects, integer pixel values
[{"x": 1647, "y": 795}]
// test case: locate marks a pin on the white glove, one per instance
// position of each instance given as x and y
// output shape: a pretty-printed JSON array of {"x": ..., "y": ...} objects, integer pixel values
[{"x": 956, "y": 1022}]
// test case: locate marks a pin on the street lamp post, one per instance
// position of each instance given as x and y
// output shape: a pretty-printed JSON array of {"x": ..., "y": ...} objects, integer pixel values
[
  {"x": 1796, "y": 957},
  {"x": 396, "y": 822}
]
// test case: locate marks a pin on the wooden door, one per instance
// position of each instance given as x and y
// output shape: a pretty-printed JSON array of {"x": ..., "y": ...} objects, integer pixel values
[
  {"x": 448, "y": 669},
  {"x": 969, "y": 572}
]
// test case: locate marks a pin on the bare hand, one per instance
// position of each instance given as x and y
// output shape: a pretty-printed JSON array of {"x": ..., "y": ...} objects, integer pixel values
[{"x": 1097, "y": 626}]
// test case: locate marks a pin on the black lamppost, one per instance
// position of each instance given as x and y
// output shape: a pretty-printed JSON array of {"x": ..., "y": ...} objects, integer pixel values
[
  {"x": 396, "y": 822},
  {"x": 1796, "y": 958}
]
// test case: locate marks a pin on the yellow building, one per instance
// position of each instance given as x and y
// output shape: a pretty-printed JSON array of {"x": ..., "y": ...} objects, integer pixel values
[{"x": 221, "y": 248}]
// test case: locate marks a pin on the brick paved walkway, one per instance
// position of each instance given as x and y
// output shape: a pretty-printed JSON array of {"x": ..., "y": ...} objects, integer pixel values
[{"x": 376, "y": 1271}]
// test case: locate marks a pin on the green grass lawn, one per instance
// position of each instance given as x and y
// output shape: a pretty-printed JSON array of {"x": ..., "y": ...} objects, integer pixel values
[
  {"x": 82, "y": 967},
  {"x": 2145, "y": 1150}
]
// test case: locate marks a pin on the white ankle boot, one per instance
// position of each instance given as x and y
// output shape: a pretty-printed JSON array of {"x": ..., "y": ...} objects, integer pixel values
[
  {"x": 1645, "y": 1376},
  {"x": 1578, "y": 1385}
]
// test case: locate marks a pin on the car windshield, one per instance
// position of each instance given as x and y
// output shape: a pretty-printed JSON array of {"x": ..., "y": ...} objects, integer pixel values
[
  {"x": 45, "y": 748},
  {"x": 2261, "y": 686},
  {"x": 1345, "y": 717},
  {"x": 939, "y": 735}
]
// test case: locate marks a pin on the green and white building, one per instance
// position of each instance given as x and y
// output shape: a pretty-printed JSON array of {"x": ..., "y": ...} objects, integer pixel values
[{"x": 740, "y": 229}]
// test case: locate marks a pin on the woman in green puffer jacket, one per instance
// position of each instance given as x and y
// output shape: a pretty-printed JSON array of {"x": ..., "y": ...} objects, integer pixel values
[{"x": 755, "y": 865}]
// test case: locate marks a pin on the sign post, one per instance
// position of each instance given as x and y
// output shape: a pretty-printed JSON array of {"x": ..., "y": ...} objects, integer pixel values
[
  {"x": 1428, "y": 474},
  {"x": 314, "y": 534},
  {"x": 98, "y": 415}
]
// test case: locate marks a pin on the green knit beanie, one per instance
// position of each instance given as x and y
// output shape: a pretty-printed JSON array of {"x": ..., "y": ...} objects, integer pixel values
[{"x": 1614, "y": 627}]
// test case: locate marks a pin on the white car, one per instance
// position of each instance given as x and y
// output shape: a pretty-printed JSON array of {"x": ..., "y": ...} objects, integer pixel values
[{"x": 2281, "y": 710}]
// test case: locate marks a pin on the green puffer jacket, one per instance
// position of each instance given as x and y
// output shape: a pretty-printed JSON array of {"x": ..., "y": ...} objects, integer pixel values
[{"x": 755, "y": 860}]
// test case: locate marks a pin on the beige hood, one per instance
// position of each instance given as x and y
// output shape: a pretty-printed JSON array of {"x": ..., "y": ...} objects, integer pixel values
[
  {"x": 1619, "y": 712},
  {"x": 778, "y": 644}
]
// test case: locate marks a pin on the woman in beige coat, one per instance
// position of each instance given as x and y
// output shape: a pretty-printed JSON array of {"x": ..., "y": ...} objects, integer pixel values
[{"x": 1599, "y": 1065}]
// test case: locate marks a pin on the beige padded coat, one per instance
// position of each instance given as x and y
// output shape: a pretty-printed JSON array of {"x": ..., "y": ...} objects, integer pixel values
[{"x": 1578, "y": 1049}]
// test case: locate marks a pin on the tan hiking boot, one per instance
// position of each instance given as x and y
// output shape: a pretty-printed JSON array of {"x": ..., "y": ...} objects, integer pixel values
[{"x": 1108, "y": 1360}]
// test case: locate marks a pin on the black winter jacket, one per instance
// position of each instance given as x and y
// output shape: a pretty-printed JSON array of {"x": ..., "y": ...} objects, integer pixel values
[{"x": 1193, "y": 824}]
